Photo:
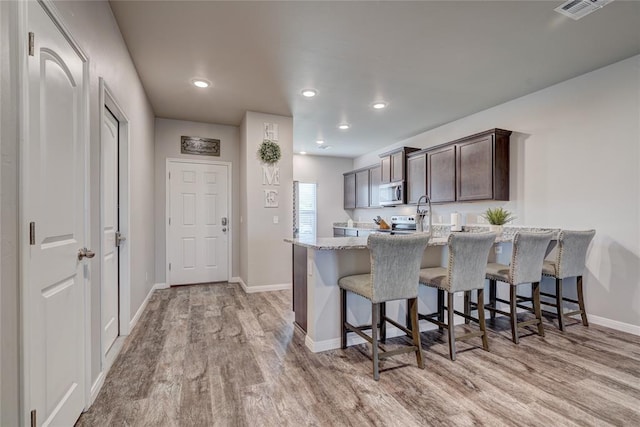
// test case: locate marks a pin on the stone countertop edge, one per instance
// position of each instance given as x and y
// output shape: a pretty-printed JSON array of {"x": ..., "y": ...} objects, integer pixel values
[{"x": 341, "y": 243}]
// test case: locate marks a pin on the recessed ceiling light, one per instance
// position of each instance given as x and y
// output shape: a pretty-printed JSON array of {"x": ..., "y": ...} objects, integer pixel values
[
  {"x": 379, "y": 105},
  {"x": 319, "y": 141},
  {"x": 309, "y": 93},
  {"x": 344, "y": 126},
  {"x": 303, "y": 152},
  {"x": 200, "y": 83}
]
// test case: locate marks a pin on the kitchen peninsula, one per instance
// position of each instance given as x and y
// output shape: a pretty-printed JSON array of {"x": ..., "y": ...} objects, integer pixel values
[{"x": 318, "y": 263}]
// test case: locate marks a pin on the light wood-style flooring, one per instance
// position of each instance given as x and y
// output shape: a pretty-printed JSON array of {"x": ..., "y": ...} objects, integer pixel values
[{"x": 211, "y": 355}]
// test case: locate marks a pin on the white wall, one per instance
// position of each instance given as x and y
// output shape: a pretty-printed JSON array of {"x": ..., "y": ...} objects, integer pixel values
[
  {"x": 94, "y": 28},
  {"x": 168, "y": 133},
  {"x": 575, "y": 162},
  {"x": 326, "y": 173},
  {"x": 266, "y": 258}
]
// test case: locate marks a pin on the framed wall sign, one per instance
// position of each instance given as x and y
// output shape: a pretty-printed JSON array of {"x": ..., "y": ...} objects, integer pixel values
[{"x": 199, "y": 146}]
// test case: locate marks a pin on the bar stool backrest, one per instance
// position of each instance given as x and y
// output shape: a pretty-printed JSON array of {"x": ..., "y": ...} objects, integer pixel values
[
  {"x": 395, "y": 265},
  {"x": 527, "y": 256},
  {"x": 468, "y": 255},
  {"x": 572, "y": 252}
]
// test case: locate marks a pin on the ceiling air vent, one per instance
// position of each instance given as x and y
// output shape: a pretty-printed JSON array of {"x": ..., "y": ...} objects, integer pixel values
[{"x": 576, "y": 9}]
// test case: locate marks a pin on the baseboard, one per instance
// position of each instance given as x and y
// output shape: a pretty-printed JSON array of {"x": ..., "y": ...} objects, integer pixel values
[
  {"x": 161, "y": 286},
  {"x": 613, "y": 324},
  {"x": 96, "y": 387},
  {"x": 135, "y": 318},
  {"x": 264, "y": 288}
]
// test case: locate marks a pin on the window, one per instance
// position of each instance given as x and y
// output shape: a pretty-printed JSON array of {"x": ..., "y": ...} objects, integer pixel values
[{"x": 305, "y": 206}]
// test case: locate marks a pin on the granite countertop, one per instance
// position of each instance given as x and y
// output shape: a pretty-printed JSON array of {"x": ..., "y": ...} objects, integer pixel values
[{"x": 339, "y": 243}]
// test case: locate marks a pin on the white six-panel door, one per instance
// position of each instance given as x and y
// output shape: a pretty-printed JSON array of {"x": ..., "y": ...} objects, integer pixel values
[
  {"x": 54, "y": 198},
  {"x": 109, "y": 147},
  {"x": 198, "y": 229}
]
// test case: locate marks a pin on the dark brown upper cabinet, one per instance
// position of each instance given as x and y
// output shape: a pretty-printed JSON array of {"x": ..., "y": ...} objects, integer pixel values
[
  {"x": 393, "y": 164},
  {"x": 441, "y": 174},
  {"x": 350, "y": 190},
  {"x": 374, "y": 184},
  {"x": 416, "y": 176},
  {"x": 363, "y": 190},
  {"x": 482, "y": 166}
]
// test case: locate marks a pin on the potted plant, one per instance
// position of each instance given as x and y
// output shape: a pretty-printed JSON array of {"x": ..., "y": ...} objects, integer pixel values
[{"x": 497, "y": 218}]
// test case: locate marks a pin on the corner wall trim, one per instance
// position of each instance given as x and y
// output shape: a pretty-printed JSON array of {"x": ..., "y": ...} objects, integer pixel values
[
  {"x": 614, "y": 324},
  {"x": 95, "y": 388},
  {"x": 135, "y": 318},
  {"x": 263, "y": 288}
]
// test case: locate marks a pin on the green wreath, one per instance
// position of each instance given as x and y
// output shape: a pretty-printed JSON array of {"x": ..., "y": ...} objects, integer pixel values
[{"x": 269, "y": 152}]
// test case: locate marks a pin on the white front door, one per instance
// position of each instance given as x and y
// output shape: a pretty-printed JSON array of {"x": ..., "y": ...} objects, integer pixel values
[
  {"x": 54, "y": 198},
  {"x": 198, "y": 223},
  {"x": 110, "y": 274}
]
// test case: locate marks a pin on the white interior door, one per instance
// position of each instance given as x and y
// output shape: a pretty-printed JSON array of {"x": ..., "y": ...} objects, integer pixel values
[
  {"x": 198, "y": 223},
  {"x": 110, "y": 252},
  {"x": 54, "y": 197}
]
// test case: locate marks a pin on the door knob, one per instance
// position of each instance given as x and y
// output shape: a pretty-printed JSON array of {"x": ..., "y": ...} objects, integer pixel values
[
  {"x": 85, "y": 253},
  {"x": 224, "y": 229}
]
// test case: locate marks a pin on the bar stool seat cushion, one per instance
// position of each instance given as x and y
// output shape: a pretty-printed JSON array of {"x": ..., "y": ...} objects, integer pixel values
[
  {"x": 500, "y": 272},
  {"x": 358, "y": 284},
  {"x": 436, "y": 277}
]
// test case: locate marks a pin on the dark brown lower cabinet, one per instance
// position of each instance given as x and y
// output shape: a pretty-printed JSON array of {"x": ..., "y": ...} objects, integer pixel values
[{"x": 300, "y": 286}]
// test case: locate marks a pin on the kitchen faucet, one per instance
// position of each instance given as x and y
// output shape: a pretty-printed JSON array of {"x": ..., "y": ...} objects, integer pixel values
[{"x": 420, "y": 214}]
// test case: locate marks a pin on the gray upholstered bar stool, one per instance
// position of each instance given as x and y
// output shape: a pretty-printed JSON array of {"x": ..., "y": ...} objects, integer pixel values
[
  {"x": 528, "y": 253},
  {"x": 465, "y": 271},
  {"x": 395, "y": 265},
  {"x": 569, "y": 262}
]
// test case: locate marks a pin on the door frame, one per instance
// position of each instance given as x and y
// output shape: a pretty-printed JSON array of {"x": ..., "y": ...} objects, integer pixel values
[
  {"x": 108, "y": 100},
  {"x": 230, "y": 225},
  {"x": 21, "y": 43}
]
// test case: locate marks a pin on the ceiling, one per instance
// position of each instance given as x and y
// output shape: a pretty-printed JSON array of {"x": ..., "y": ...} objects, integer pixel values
[{"x": 433, "y": 62}]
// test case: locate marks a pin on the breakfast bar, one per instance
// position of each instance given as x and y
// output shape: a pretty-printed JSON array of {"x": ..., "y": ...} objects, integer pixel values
[{"x": 318, "y": 263}]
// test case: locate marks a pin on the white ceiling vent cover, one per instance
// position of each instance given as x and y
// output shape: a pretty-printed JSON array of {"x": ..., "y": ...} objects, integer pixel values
[{"x": 576, "y": 9}]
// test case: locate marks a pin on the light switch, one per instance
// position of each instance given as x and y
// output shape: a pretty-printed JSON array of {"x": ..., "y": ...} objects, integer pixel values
[{"x": 276, "y": 219}]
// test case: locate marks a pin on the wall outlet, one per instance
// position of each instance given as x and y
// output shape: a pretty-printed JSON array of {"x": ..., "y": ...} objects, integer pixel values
[
  {"x": 440, "y": 219},
  {"x": 498, "y": 249},
  {"x": 276, "y": 219}
]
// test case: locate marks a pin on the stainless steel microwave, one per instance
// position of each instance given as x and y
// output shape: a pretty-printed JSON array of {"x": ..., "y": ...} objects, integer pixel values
[{"x": 392, "y": 194}]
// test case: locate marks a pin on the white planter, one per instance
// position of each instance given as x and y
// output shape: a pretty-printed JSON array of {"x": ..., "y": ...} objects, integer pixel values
[{"x": 496, "y": 228}]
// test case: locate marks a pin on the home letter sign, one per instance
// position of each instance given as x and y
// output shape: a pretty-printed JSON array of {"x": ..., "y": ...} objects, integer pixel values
[{"x": 270, "y": 175}]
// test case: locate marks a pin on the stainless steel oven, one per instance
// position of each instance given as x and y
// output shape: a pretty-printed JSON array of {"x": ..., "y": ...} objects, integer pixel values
[{"x": 392, "y": 194}]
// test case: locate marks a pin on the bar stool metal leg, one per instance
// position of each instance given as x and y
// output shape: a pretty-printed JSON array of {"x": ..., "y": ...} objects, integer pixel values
[
  {"x": 343, "y": 318},
  {"x": 451, "y": 326},
  {"x": 514, "y": 314},
  {"x": 559, "y": 304},
  {"x": 492, "y": 298},
  {"x": 536, "y": 307},
  {"x": 375, "y": 318},
  {"x": 440, "y": 308}
]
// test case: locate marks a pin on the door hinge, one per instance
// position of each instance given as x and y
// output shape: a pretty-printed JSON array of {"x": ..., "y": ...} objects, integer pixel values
[
  {"x": 169, "y": 266},
  {"x": 169, "y": 220},
  {"x": 34, "y": 423},
  {"x": 32, "y": 44},
  {"x": 32, "y": 233},
  {"x": 169, "y": 175}
]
